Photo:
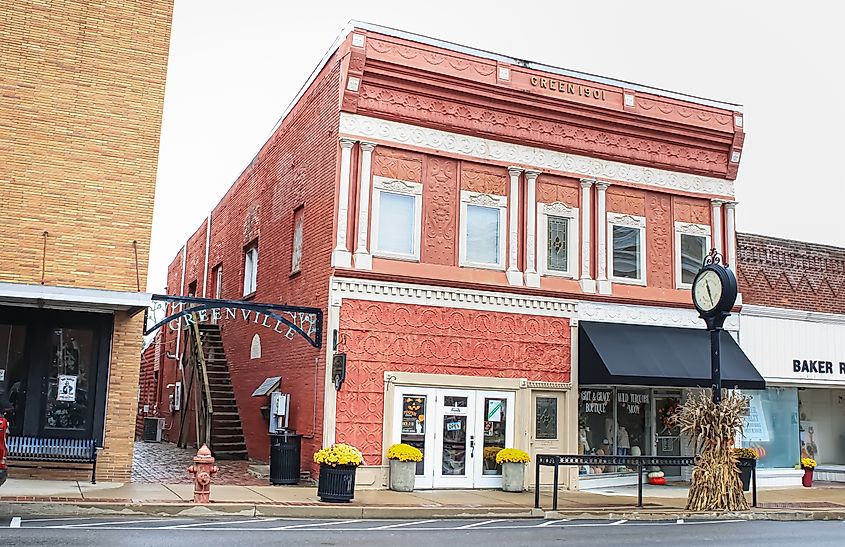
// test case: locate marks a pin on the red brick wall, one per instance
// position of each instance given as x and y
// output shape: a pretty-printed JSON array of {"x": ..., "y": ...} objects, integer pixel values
[
  {"x": 407, "y": 338},
  {"x": 791, "y": 274},
  {"x": 147, "y": 386},
  {"x": 296, "y": 167}
]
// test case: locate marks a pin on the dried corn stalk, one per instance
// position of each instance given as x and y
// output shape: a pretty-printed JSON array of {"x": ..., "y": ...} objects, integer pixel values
[{"x": 716, "y": 484}]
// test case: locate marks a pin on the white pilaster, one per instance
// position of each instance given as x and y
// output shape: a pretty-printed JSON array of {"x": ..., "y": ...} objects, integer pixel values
[
  {"x": 341, "y": 257},
  {"x": 532, "y": 278},
  {"x": 513, "y": 273},
  {"x": 604, "y": 285},
  {"x": 363, "y": 258},
  {"x": 588, "y": 284},
  {"x": 716, "y": 216},
  {"x": 730, "y": 232}
]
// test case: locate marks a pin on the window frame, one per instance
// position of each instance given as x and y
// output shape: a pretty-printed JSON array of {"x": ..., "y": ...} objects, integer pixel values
[
  {"x": 571, "y": 214},
  {"x": 490, "y": 201},
  {"x": 298, "y": 214},
  {"x": 401, "y": 187},
  {"x": 217, "y": 275},
  {"x": 628, "y": 221},
  {"x": 251, "y": 281},
  {"x": 690, "y": 229}
]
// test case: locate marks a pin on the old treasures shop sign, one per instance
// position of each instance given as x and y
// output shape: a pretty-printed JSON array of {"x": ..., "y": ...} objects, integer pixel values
[{"x": 183, "y": 311}]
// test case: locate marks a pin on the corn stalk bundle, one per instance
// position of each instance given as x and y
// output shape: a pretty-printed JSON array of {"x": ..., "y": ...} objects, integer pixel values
[{"x": 716, "y": 483}]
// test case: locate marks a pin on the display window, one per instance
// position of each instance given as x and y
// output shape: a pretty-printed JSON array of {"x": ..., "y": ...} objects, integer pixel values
[{"x": 771, "y": 427}]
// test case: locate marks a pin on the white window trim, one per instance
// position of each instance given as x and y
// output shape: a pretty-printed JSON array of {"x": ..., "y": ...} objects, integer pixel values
[
  {"x": 251, "y": 276},
  {"x": 631, "y": 221},
  {"x": 687, "y": 228},
  {"x": 561, "y": 210},
  {"x": 493, "y": 202},
  {"x": 296, "y": 265},
  {"x": 403, "y": 187}
]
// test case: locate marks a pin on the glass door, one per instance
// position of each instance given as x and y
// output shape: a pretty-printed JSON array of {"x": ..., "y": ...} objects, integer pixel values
[
  {"x": 668, "y": 435},
  {"x": 456, "y": 441},
  {"x": 411, "y": 426},
  {"x": 494, "y": 431}
]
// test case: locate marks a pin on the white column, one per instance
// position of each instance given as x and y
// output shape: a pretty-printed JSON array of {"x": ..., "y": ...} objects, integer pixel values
[
  {"x": 716, "y": 218},
  {"x": 588, "y": 284},
  {"x": 341, "y": 257},
  {"x": 532, "y": 278},
  {"x": 730, "y": 233},
  {"x": 363, "y": 258},
  {"x": 513, "y": 273},
  {"x": 601, "y": 234}
]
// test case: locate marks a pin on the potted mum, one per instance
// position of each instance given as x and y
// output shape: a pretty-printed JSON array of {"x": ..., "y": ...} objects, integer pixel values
[
  {"x": 745, "y": 472},
  {"x": 403, "y": 466},
  {"x": 513, "y": 463},
  {"x": 338, "y": 463},
  {"x": 808, "y": 465}
]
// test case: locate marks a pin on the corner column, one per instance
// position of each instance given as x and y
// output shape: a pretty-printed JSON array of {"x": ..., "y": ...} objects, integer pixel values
[
  {"x": 588, "y": 284},
  {"x": 730, "y": 232},
  {"x": 532, "y": 278},
  {"x": 341, "y": 257},
  {"x": 363, "y": 258},
  {"x": 716, "y": 217},
  {"x": 513, "y": 273},
  {"x": 604, "y": 285}
]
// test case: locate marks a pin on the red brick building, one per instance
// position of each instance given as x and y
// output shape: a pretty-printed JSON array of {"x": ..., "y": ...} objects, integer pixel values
[{"x": 456, "y": 214}]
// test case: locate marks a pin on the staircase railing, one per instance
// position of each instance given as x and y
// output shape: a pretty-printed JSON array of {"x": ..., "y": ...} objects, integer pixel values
[{"x": 209, "y": 406}]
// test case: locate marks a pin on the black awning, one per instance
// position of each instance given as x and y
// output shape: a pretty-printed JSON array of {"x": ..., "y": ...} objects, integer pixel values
[{"x": 616, "y": 354}]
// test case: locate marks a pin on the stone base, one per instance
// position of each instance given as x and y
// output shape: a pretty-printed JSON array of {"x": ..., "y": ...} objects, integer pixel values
[
  {"x": 341, "y": 258},
  {"x": 514, "y": 277},
  {"x": 363, "y": 261},
  {"x": 588, "y": 285}
]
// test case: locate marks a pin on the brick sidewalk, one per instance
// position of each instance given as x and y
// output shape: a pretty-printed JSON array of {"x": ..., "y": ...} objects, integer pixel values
[{"x": 165, "y": 463}]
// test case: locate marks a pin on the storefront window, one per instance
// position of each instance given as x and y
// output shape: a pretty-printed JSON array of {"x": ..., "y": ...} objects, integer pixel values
[
  {"x": 546, "y": 418},
  {"x": 13, "y": 374},
  {"x": 595, "y": 423},
  {"x": 632, "y": 419},
  {"x": 771, "y": 427},
  {"x": 69, "y": 376},
  {"x": 495, "y": 419},
  {"x": 413, "y": 425}
]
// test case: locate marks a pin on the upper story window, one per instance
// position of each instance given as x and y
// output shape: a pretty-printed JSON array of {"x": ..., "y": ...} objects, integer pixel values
[
  {"x": 483, "y": 230},
  {"x": 692, "y": 241},
  {"x": 626, "y": 248},
  {"x": 298, "y": 227},
  {"x": 217, "y": 277},
  {"x": 250, "y": 268},
  {"x": 397, "y": 218},
  {"x": 557, "y": 244}
]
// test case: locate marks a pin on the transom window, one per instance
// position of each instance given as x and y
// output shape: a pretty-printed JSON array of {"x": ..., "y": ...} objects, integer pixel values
[
  {"x": 397, "y": 212},
  {"x": 557, "y": 244},
  {"x": 483, "y": 230},
  {"x": 626, "y": 248},
  {"x": 692, "y": 241}
]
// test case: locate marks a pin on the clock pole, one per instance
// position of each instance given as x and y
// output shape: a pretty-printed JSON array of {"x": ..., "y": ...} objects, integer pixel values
[{"x": 715, "y": 362}]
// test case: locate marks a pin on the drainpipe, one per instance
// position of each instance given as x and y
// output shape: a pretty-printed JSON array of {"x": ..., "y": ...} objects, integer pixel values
[{"x": 207, "y": 244}]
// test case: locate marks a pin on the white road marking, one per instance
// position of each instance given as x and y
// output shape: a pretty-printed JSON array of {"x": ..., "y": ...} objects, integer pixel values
[
  {"x": 482, "y": 523},
  {"x": 618, "y": 522},
  {"x": 295, "y": 526},
  {"x": 679, "y": 521},
  {"x": 401, "y": 524},
  {"x": 16, "y": 522},
  {"x": 214, "y": 523},
  {"x": 549, "y": 523}
]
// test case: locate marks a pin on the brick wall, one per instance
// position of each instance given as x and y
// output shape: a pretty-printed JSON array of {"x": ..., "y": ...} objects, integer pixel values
[
  {"x": 297, "y": 167},
  {"x": 147, "y": 382},
  {"x": 791, "y": 274}
]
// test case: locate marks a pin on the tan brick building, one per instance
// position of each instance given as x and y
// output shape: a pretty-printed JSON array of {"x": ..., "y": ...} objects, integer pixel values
[{"x": 82, "y": 87}]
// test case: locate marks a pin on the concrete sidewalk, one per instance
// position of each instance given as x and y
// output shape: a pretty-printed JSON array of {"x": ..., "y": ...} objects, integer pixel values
[{"x": 20, "y": 496}]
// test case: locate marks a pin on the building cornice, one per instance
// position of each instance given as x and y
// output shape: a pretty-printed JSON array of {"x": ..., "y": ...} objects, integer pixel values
[
  {"x": 535, "y": 158},
  {"x": 795, "y": 315},
  {"x": 647, "y": 315}
]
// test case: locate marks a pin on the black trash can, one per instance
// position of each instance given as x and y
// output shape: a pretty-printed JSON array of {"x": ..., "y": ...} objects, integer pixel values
[{"x": 285, "y": 452}]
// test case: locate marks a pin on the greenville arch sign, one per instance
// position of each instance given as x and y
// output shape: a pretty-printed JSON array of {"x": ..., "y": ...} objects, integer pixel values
[{"x": 182, "y": 311}]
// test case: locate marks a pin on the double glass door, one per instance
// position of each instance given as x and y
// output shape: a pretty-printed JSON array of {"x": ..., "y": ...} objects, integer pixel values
[{"x": 459, "y": 433}]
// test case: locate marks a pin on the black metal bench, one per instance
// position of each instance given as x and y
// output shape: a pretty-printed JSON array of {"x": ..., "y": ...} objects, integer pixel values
[
  {"x": 638, "y": 462},
  {"x": 51, "y": 450}
]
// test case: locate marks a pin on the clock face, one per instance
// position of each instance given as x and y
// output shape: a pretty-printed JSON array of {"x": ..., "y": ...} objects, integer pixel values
[{"x": 707, "y": 290}]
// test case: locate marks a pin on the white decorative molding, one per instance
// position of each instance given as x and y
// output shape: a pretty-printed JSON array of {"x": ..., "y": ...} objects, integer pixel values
[
  {"x": 353, "y": 83},
  {"x": 730, "y": 232},
  {"x": 529, "y": 156},
  {"x": 604, "y": 284},
  {"x": 716, "y": 219},
  {"x": 532, "y": 278},
  {"x": 363, "y": 258},
  {"x": 647, "y": 315},
  {"x": 487, "y": 200},
  {"x": 626, "y": 220},
  {"x": 795, "y": 315},
  {"x": 504, "y": 73},
  {"x": 398, "y": 186},
  {"x": 515, "y": 276},
  {"x": 588, "y": 284},
  {"x": 536, "y": 384},
  {"x": 358, "y": 40},
  {"x": 692, "y": 229},
  {"x": 341, "y": 257},
  {"x": 557, "y": 209},
  {"x": 429, "y": 295}
]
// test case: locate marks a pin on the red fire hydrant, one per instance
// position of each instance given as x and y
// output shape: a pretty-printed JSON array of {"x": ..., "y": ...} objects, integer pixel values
[{"x": 202, "y": 470}]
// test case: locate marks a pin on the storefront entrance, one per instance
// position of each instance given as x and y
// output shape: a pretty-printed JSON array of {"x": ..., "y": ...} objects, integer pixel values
[{"x": 459, "y": 433}]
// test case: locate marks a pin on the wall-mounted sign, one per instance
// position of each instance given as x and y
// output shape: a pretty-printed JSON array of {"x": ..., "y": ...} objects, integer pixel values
[
  {"x": 338, "y": 370},
  {"x": 413, "y": 414},
  {"x": 67, "y": 388},
  {"x": 565, "y": 88},
  {"x": 595, "y": 400},
  {"x": 755, "y": 428},
  {"x": 818, "y": 366}
]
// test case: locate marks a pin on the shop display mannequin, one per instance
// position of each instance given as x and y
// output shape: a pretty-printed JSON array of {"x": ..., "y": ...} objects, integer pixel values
[
  {"x": 608, "y": 436},
  {"x": 622, "y": 441}
]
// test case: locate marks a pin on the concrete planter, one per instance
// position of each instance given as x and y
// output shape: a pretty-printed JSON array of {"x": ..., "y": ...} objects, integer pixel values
[
  {"x": 513, "y": 477},
  {"x": 402, "y": 475}
]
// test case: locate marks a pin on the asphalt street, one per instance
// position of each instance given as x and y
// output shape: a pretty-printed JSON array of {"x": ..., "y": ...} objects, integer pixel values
[{"x": 419, "y": 533}]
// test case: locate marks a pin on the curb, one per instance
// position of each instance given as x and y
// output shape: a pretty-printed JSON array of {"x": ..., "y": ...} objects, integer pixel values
[{"x": 249, "y": 510}]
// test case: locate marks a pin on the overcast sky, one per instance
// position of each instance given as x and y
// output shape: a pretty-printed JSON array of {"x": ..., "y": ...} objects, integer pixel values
[{"x": 235, "y": 66}]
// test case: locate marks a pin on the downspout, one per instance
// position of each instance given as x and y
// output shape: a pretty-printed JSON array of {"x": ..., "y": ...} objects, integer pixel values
[
  {"x": 181, "y": 293},
  {"x": 207, "y": 245}
]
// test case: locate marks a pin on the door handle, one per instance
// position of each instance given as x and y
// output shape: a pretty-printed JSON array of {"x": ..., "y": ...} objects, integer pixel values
[{"x": 472, "y": 446}]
